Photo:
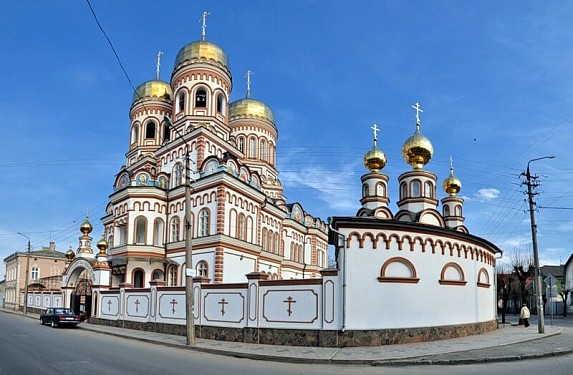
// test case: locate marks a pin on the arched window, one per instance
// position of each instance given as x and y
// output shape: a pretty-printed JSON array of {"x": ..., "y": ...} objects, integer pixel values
[
  {"x": 175, "y": 229},
  {"x": 203, "y": 223},
  {"x": 202, "y": 269},
  {"x": 150, "y": 130},
  {"x": 138, "y": 277},
  {"x": 172, "y": 275},
  {"x": 201, "y": 98},
  {"x": 181, "y": 102},
  {"x": 178, "y": 171},
  {"x": 264, "y": 240},
  {"x": 365, "y": 190},
  {"x": 241, "y": 144},
  {"x": 292, "y": 253},
  {"x": 446, "y": 210},
  {"x": 277, "y": 243},
  {"x": 157, "y": 275},
  {"x": 380, "y": 190},
  {"x": 158, "y": 232},
  {"x": 416, "y": 189},
  {"x": 242, "y": 227},
  {"x": 403, "y": 191},
  {"x": 428, "y": 189},
  {"x": 220, "y": 103},
  {"x": 458, "y": 211},
  {"x": 252, "y": 147},
  {"x": 263, "y": 150},
  {"x": 140, "y": 224},
  {"x": 134, "y": 134},
  {"x": 166, "y": 133}
]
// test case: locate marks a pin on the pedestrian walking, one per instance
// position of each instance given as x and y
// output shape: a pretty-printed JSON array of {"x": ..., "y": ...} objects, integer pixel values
[{"x": 524, "y": 315}]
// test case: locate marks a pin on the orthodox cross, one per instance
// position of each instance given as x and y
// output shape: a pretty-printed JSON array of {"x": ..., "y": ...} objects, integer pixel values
[
  {"x": 418, "y": 110},
  {"x": 248, "y": 76},
  {"x": 109, "y": 305},
  {"x": 158, "y": 65},
  {"x": 451, "y": 165},
  {"x": 173, "y": 303},
  {"x": 137, "y": 305},
  {"x": 376, "y": 130},
  {"x": 290, "y": 301},
  {"x": 203, "y": 20},
  {"x": 223, "y": 303}
]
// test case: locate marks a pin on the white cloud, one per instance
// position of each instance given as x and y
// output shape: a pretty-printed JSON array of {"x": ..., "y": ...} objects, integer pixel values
[{"x": 487, "y": 194}]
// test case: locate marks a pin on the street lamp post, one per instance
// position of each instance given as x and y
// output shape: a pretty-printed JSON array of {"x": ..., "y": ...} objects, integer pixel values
[
  {"x": 27, "y": 275},
  {"x": 537, "y": 279},
  {"x": 189, "y": 319}
]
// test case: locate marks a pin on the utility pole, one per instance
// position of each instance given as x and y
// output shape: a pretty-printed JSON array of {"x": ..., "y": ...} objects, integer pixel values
[
  {"x": 27, "y": 275},
  {"x": 537, "y": 278},
  {"x": 189, "y": 318}
]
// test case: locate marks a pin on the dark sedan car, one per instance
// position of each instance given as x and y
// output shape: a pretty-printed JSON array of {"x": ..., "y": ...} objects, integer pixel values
[{"x": 59, "y": 316}]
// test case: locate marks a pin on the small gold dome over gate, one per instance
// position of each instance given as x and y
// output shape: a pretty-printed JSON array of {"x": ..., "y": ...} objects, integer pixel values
[
  {"x": 452, "y": 185},
  {"x": 70, "y": 255},
  {"x": 86, "y": 227}
]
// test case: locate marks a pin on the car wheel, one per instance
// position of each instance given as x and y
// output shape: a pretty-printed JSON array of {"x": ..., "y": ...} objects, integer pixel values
[
  {"x": 54, "y": 325},
  {"x": 41, "y": 321}
]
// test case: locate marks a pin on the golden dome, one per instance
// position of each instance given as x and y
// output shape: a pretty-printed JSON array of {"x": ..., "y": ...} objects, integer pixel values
[
  {"x": 70, "y": 255},
  {"x": 417, "y": 150},
  {"x": 102, "y": 245},
  {"x": 452, "y": 185},
  {"x": 374, "y": 159},
  {"x": 156, "y": 89},
  {"x": 251, "y": 108},
  {"x": 202, "y": 50},
  {"x": 86, "y": 227}
]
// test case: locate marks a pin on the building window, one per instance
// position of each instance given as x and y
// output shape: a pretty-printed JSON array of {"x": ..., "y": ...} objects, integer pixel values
[
  {"x": 458, "y": 210},
  {"x": 263, "y": 155},
  {"x": 138, "y": 277},
  {"x": 35, "y": 273},
  {"x": 241, "y": 144},
  {"x": 202, "y": 269},
  {"x": 175, "y": 229},
  {"x": 403, "y": 191},
  {"x": 241, "y": 227},
  {"x": 157, "y": 275},
  {"x": 446, "y": 211},
  {"x": 134, "y": 134},
  {"x": 252, "y": 147},
  {"x": 158, "y": 232},
  {"x": 201, "y": 98},
  {"x": 220, "y": 103},
  {"x": 203, "y": 223},
  {"x": 150, "y": 130},
  {"x": 428, "y": 190},
  {"x": 181, "y": 102},
  {"x": 365, "y": 191},
  {"x": 166, "y": 133},
  {"x": 416, "y": 189},
  {"x": 172, "y": 276},
  {"x": 264, "y": 240},
  {"x": 178, "y": 171},
  {"x": 140, "y": 224}
]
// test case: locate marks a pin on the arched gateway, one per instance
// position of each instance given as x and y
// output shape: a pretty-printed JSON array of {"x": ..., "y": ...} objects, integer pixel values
[{"x": 85, "y": 274}]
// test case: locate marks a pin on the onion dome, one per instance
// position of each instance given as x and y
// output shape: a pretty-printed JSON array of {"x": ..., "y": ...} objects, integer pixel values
[
  {"x": 417, "y": 150},
  {"x": 374, "y": 160},
  {"x": 102, "y": 246},
  {"x": 154, "y": 89},
  {"x": 202, "y": 51},
  {"x": 452, "y": 185},
  {"x": 70, "y": 255},
  {"x": 86, "y": 227},
  {"x": 251, "y": 108}
]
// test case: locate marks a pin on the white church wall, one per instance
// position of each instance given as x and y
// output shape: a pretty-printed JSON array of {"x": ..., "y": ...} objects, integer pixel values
[{"x": 236, "y": 266}]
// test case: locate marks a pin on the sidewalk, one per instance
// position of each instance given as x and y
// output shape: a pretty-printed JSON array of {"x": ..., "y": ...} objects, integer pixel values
[{"x": 508, "y": 343}]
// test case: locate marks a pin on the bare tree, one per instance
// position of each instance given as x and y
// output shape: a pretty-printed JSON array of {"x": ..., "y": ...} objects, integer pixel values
[
  {"x": 504, "y": 280},
  {"x": 520, "y": 261},
  {"x": 564, "y": 293}
]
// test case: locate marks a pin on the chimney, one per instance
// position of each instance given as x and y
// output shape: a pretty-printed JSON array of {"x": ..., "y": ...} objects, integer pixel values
[{"x": 52, "y": 246}]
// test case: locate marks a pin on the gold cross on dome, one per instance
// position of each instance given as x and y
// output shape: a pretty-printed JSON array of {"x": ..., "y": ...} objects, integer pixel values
[
  {"x": 418, "y": 110},
  {"x": 376, "y": 130},
  {"x": 203, "y": 20}
]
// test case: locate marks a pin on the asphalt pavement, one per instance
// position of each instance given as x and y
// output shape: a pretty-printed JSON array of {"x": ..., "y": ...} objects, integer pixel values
[{"x": 508, "y": 343}]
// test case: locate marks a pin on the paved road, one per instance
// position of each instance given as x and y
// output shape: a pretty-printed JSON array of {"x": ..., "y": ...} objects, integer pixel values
[{"x": 27, "y": 347}]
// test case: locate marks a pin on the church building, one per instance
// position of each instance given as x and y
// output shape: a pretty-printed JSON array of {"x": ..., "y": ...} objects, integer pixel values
[{"x": 240, "y": 219}]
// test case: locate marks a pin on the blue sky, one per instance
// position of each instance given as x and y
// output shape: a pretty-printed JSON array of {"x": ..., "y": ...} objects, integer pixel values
[{"x": 494, "y": 80}]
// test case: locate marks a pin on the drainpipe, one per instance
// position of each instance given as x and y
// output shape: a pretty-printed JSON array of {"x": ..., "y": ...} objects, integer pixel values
[{"x": 343, "y": 271}]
